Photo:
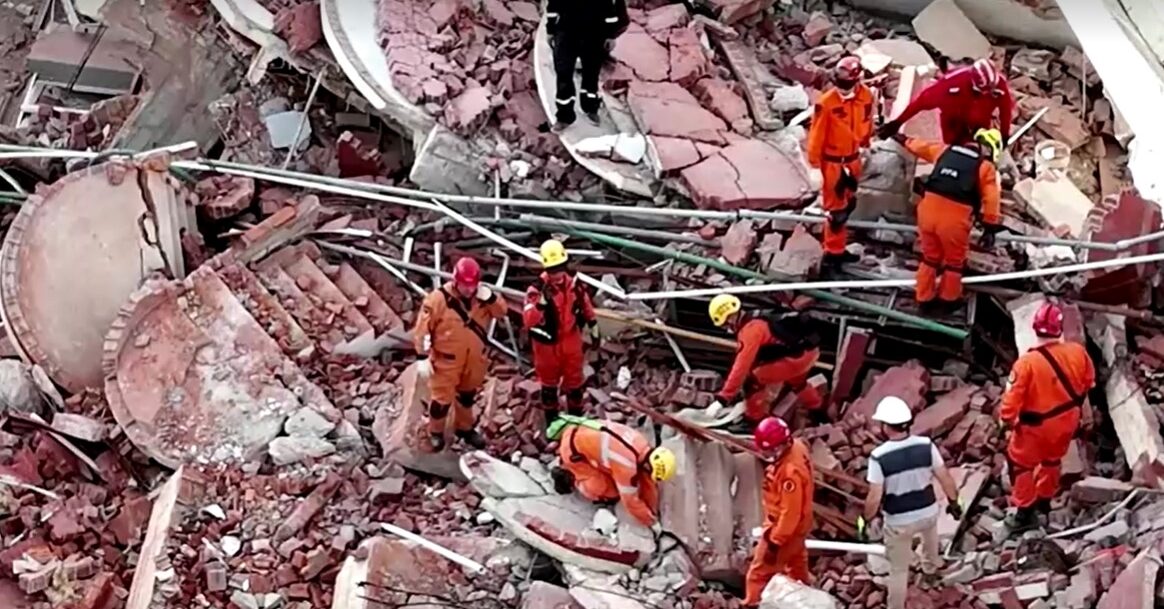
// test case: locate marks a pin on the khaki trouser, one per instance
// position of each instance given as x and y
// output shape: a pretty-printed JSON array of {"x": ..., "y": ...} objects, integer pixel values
[{"x": 899, "y": 552}]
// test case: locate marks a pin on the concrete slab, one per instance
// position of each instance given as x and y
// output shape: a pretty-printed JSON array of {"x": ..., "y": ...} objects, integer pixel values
[
  {"x": 1135, "y": 588},
  {"x": 1053, "y": 199},
  {"x": 715, "y": 555},
  {"x": 886, "y": 189},
  {"x": 498, "y": 479},
  {"x": 751, "y": 174},
  {"x": 910, "y": 382},
  {"x": 162, "y": 516},
  {"x": 446, "y": 162},
  {"x": 86, "y": 62},
  {"x": 632, "y": 179},
  {"x": 72, "y": 257},
  {"x": 400, "y": 429},
  {"x": 944, "y": 25},
  {"x": 1012, "y": 19}
]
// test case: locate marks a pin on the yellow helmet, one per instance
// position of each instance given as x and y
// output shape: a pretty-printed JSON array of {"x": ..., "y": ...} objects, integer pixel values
[
  {"x": 991, "y": 138},
  {"x": 662, "y": 464},
  {"x": 722, "y": 307},
  {"x": 553, "y": 254}
]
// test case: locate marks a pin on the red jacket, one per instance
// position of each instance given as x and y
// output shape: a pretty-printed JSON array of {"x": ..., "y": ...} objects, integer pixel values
[
  {"x": 955, "y": 96},
  {"x": 549, "y": 308}
]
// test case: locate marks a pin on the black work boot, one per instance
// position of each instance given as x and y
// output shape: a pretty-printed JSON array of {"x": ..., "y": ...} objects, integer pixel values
[
  {"x": 472, "y": 438},
  {"x": 574, "y": 402}
]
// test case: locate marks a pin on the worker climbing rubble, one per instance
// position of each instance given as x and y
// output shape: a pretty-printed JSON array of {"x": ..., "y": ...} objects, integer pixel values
[
  {"x": 778, "y": 348},
  {"x": 581, "y": 31},
  {"x": 901, "y": 490},
  {"x": 842, "y": 128},
  {"x": 450, "y": 341},
  {"x": 962, "y": 185},
  {"x": 1042, "y": 408},
  {"x": 609, "y": 462},
  {"x": 967, "y": 99},
  {"x": 557, "y": 309},
  {"x": 788, "y": 489}
]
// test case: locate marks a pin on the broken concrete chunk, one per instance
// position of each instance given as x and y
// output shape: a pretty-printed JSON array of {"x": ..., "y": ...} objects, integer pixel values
[
  {"x": 282, "y": 126},
  {"x": 1135, "y": 588},
  {"x": 495, "y": 478},
  {"x": 784, "y": 593},
  {"x": 1055, "y": 201},
  {"x": 817, "y": 28},
  {"x": 747, "y": 175},
  {"x": 605, "y": 522},
  {"x": 287, "y": 450},
  {"x": 877, "y": 55},
  {"x": 738, "y": 243},
  {"x": 542, "y": 595},
  {"x": 1095, "y": 489},
  {"x": 307, "y": 423},
  {"x": 80, "y": 427},
  {"x": 800, "y": 257},
  {"x": 944, "y": 25},
  {"x": 789, "y": 98},
  {"x": 18, "y": 391},
  {"x": 909, "y": 382},
  {"x": 733, "y": 11}
]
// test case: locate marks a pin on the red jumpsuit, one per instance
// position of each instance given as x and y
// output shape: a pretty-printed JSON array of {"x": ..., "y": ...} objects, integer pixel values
[
  {"x": 607, "y": 466},
  {"x": 1043, "y": 414},
  {"x": 751, "y": 367},
  {"x": 963, "y": 110},
  {"x": 788, "y": 490},
  {"x": 840, "y": 129},
  {"x": 944, "y": 223},
  {"x": 557, "y": 307}
]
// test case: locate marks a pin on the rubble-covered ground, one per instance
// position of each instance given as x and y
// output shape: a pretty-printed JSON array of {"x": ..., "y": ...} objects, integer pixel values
[{"x": 207, "y": 397}]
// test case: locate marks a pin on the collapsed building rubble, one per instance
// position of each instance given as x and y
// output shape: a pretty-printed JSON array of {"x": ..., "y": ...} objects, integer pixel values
[{"x": 243, "y": 424}]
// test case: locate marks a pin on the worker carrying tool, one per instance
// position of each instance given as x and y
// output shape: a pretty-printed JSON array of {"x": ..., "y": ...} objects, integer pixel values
[
  {"x": 788, "y": 490},
  {"x": 580, "y": 30},
  {"x": 842, "y": 127},
  {"x": 967, "y": 99},
  {"x": 963, "y": 184},
  {"x": 901, "y": 489},
  {"x": 778, "y": 348},
  {"x": 450, "y": 343},
  {"x": 557, "y": 310},
  {"x": 1042, "y": 407},
  {"x": 608, "y": 462}
]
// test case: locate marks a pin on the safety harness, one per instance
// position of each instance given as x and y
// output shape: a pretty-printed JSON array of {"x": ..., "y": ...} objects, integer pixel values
[
  {"x": 459, "y": 308},
  {"x": 549, "y": 330},
  {"x": 795, "y": 336},
  {"x": 555, "y": 431},
  {"x": 1075, "y": 401},
  {"x": 955, "y": 176}
]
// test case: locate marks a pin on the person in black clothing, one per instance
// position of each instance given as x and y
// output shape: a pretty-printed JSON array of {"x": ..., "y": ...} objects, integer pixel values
[{"x": 580, "y": 30}]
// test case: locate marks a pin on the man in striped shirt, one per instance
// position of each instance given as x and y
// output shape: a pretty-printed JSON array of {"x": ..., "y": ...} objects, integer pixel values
[{"x": 901, "y": 488}]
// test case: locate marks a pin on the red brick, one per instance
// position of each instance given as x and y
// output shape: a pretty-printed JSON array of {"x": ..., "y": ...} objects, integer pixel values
[
  {"x": 215, "y": 576},
  {"x": 944, "y": 414},
  {"x": 850, "y": 363}
]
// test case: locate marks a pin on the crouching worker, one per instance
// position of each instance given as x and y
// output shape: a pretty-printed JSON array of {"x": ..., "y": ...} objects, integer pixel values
[{"x": 609, "y": 462}]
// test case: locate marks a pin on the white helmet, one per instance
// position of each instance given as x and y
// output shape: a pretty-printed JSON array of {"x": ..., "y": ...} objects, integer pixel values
[{"x": 893, "y": 410}]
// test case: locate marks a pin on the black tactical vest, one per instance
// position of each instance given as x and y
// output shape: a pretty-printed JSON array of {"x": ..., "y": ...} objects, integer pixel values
[
  {"x": 955, "y": 176},
  {"x": 795, "y": 336}
]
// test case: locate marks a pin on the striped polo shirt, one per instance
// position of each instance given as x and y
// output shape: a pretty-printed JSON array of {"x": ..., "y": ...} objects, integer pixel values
[{"x": 906, "y": 469}]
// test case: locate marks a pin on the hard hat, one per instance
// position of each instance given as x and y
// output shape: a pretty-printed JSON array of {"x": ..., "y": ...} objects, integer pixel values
[
  {"x": 847, "y": 72},
  {"x": 467, "y": 273},
  {"x": 722, "y": 307},
  {"x": 991, "y": 138},
  {"x": 892, "y": 410},
  {"x": 772, "y": 432},
  {"x": 984, "y": 75},
  {"x": 553, "y": 253},
  {"x": 1048, "y": 321},
  {"x": 662, "y": 463}
]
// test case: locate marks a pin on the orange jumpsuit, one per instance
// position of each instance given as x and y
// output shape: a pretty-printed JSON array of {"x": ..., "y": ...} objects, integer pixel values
[
  {"x": 555, "y": 316},
  {"x": 457, "y": 352},
  {"x": 944, "y": 224},
  {"x": 840, "y": 129},
  {"x": 788, "y": 490},
  {"x": 753, "y": 339},
  {"x": 1043, "y": 415},
  {"x": 608, "y": 465}
]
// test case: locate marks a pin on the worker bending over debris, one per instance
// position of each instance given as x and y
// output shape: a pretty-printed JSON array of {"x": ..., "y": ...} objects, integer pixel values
[
  {"x": 450, "y": 341},
  {"x": 967, "y": 99},
  {"x": 901, "y": 489},
  {"x": 788, "y": 489},
  {"x": 557, "y": 309},
  {"x": 580, "y": 30},
  {"x": 963, "y": 183},
  {"x": 779, "y": 348},
  {"x": 842, "y": 127},
  {"x": 608, "y": 462},
  {"x": 1042, "y": 408}
]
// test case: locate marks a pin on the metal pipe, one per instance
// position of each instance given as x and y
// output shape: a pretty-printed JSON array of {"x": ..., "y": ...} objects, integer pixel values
[
  {"x": 750, "y": 274},
  {"x": 464, "y": 561},
  {"x": 303, "y": 120},
  {"x": 645, "y": 233},
  {"x": 1094, "y": 525},
  {"x": 822, "y": 545},
  {"x": 1087, "y": 306}
]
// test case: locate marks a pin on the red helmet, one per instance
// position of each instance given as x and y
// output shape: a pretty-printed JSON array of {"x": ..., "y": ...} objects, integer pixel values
[
  {"x": 984, "y": 75},
  {"x": 1048, "y": 322},
  {"x": 848, "y": 70},
  {"x": 772, "y": 432},
  {"x": 467, "y": 273}
]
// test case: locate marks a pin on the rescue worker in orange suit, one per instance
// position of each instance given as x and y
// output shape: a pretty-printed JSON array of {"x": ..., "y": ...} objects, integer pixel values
[
  {"x": 788, "y": 490},
  {"x": 609, "y": 462},
  {"x": 581, "y": 30},
  {"x": 770, "y": 350},
  {"x": 842, "y": 127},
  {"x": 967, "y": 99},
  {"x": 1042, "y": 408},
  {"x": 450, "y": 342},
  {"x": 963, "y": 183},
  {"x": 557, "y": 309}
]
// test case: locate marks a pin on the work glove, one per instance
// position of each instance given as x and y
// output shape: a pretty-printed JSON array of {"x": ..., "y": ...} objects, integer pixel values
[
  {"x": 595, "y": 333},
  {"x": 990, "y": 235},
  {"x": 484, "y": 294},
  {"x": 838, "y": 219},
  {"x": 954, "y": 508},
  {"x": 889, "y": 129},
  {"x": 424, "y": 367},
  {"x": 862, "y": 529}
]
